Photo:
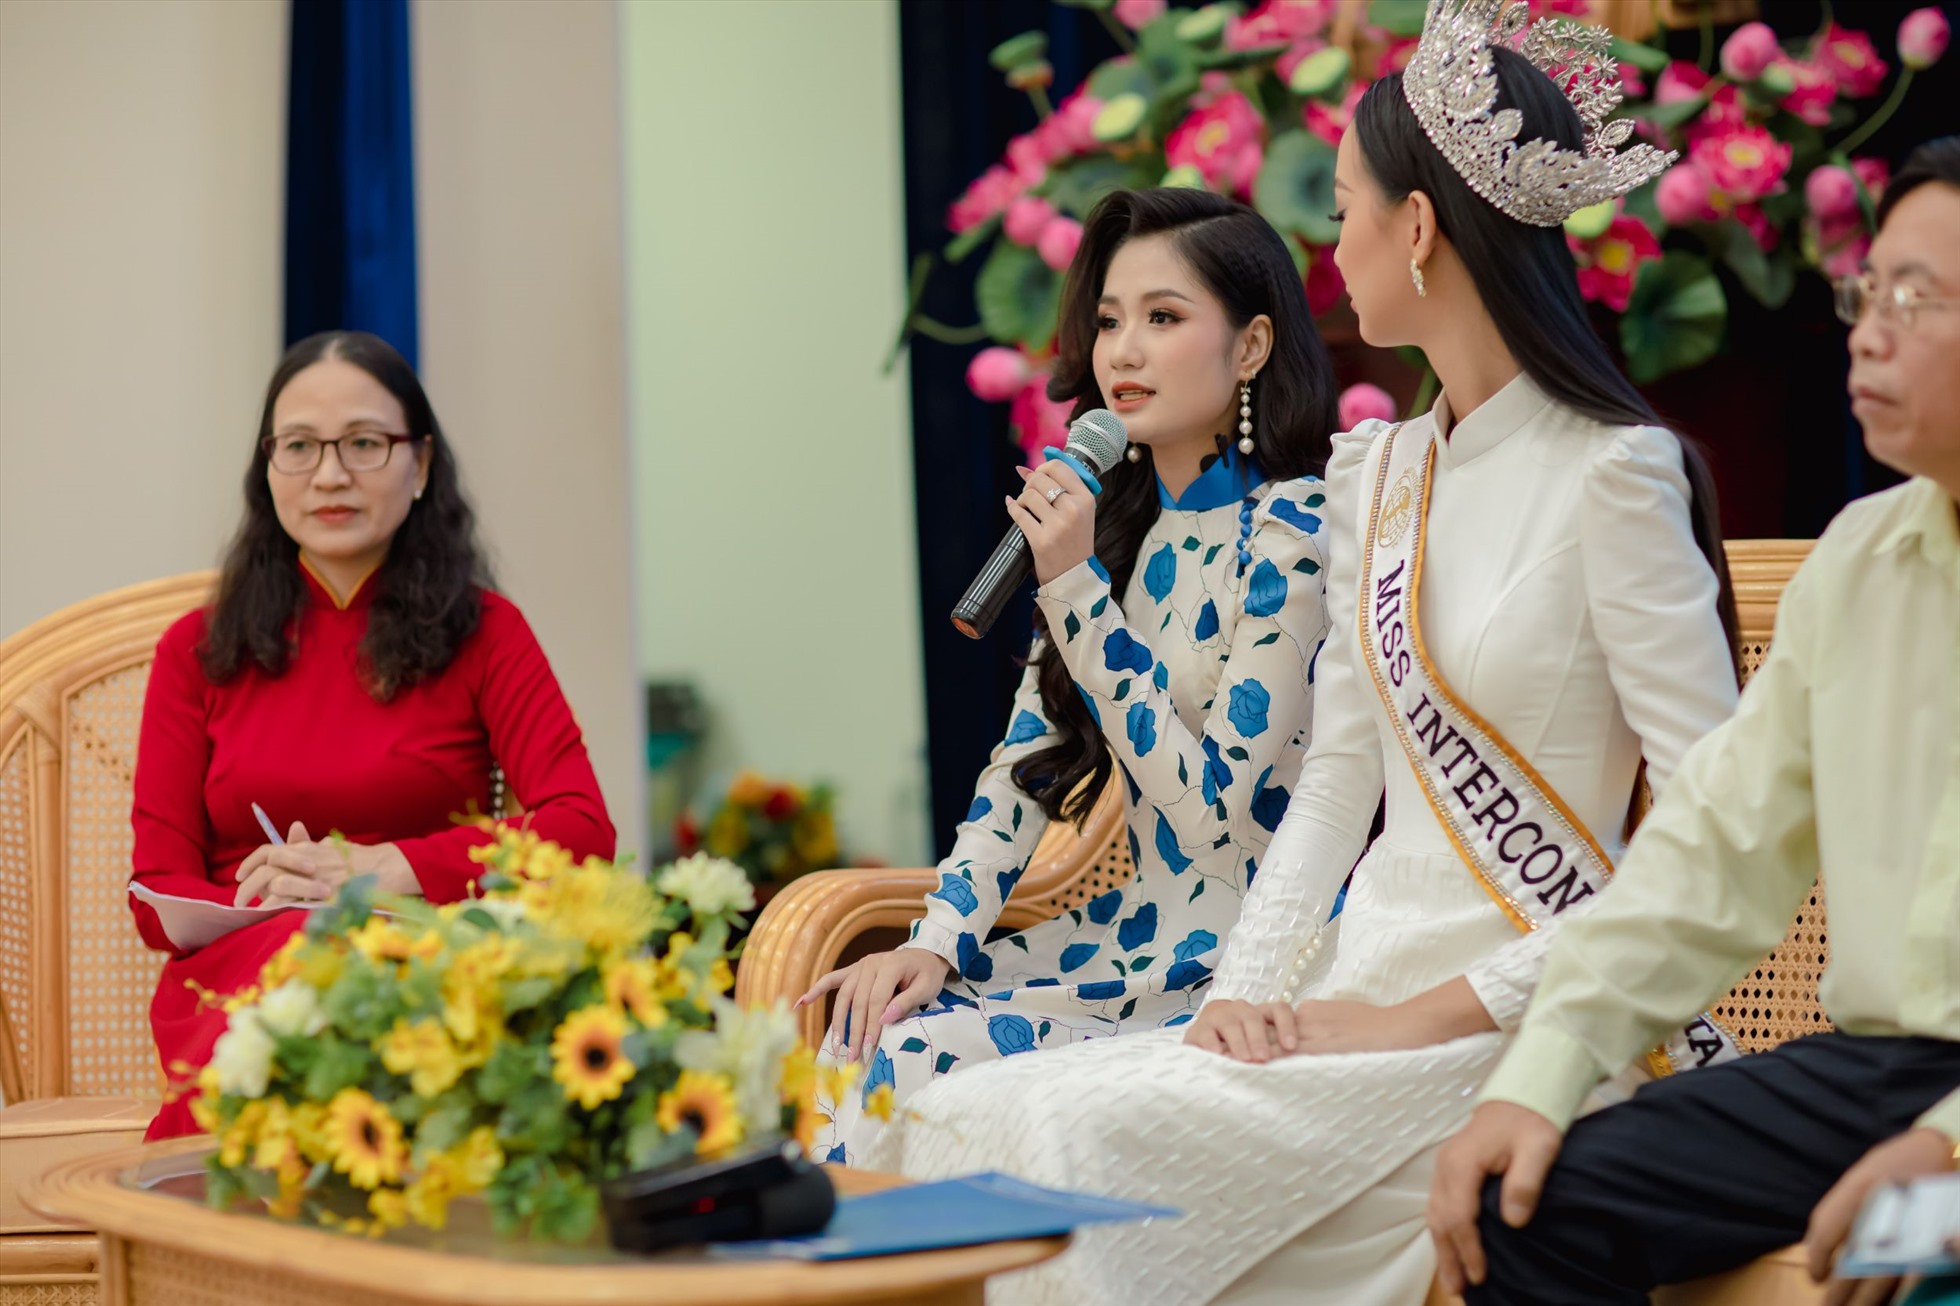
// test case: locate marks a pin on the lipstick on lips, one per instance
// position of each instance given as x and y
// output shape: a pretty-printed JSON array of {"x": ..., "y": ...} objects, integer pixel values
[{"x": 1128, "y": 397}]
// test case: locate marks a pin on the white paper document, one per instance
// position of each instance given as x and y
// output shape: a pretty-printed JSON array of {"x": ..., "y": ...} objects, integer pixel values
[{"x": 194, "y": 922}]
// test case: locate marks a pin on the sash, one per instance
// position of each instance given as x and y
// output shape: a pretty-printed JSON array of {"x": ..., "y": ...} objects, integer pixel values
[{"x": 1528, "y": 850}]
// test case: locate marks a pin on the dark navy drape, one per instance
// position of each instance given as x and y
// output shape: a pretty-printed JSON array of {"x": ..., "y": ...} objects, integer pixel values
[
  {"x": 958, "y": 117},
  {"x": 350, "y": 172}
]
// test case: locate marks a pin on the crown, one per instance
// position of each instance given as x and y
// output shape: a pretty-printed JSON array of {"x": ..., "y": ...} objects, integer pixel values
[{"x": 1451, "y": 84}]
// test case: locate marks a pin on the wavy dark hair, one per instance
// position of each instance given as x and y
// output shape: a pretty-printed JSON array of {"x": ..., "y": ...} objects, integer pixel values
[
  {"x": 428, "y": 592},
  {"x": 1526, "y": 277},
  {"x": 1238, "y": 257}
]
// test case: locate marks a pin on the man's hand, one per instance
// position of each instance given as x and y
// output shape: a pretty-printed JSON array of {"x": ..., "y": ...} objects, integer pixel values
[
  {"x": 1501, "y": 1138},
  {"x": 1916, "y": 1152}
]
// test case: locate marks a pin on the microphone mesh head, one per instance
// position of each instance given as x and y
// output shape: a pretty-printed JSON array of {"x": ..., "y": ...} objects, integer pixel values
[{"x": 1098, "y": 438}]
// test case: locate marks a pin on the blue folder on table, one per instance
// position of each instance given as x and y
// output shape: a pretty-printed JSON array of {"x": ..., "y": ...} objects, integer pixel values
[{"x": 982, "y": 1208}]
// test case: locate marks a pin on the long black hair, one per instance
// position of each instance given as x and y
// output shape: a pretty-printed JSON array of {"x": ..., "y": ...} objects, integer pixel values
[
  {"x": 1525, "y": 274},
  {"x": 1237, "y": 256},
  {"x": 427, "y": 597}
]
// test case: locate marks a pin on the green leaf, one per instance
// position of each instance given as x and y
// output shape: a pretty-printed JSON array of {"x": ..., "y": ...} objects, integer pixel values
[
  {"x": 1172, "y": 62},
  {"x": 1675, "y": 317},
  {"x": 1018, "y": 296},
  {"x": 970, "y": 239},
  {"x": 1641, "y": 55},
  {"x": 338, "y": 1065},
  {"x": 1086, "y": 4},
  {"x": 945, "y": 1063},
  {"x": 1022, "y": 943},
  {"x": 1043, "y": 1031},
  {"x": 1190, "y": 544},
  {"x": 1266, "y": 639},
  {"x": 1237, "y": 754},
  {"x": 1398, "y": 17},
  {"x": 1196, "y": 891},
  {"x": 1070, "y": 626},
  {"x": 1076, "y": 187},
  {"x": 1295, "y": 189},
  {"x": 1768, "y": 277},
  {"x": 914, "y": 1044},
  {"x": 1018, "y": 50},
  {"x": 1140, "y": 963},
  {"x": 1128, "y": 1007},
  {"x": 1122, "y": 690},
  {"x": 1211, "y": 553}
]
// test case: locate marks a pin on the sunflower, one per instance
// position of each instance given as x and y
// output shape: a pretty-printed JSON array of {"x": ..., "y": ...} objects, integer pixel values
[
  {"x": 428, "y": 1198},
  {"x": 634, "y": 987},
  {"x": 366, "y": 1139},
  {"x": 799, "y": 1081},
  {"x": 704, "y": 1103},
  {"x": 380, "y": 939},
  {"x": 423, "y": 1052},
  {"x": 587, "y": 1057},
  {"x": 389, "y": 1209}
]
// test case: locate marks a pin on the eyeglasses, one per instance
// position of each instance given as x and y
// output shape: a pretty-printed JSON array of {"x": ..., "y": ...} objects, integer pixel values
[
  {"x": 359, "y": 451},
  {"x": 1856, "y": 294}
]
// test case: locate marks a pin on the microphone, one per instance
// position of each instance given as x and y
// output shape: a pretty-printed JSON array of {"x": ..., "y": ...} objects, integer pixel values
[{"x": 1095, "y": 441}]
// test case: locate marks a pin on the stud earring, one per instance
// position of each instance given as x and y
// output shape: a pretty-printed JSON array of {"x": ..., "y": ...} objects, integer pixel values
[
  {"x": 1133, "y": 454},
  {"x": 1415, "y": 275},
  {"x": 1245, "y": 416}
]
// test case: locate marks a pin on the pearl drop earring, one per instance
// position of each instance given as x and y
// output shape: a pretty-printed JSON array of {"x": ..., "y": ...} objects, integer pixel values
[
  {"x": 1134, "y": 454},
  {"x": 1415, "y": 275},
  {"x": 1245, "y": 416}
]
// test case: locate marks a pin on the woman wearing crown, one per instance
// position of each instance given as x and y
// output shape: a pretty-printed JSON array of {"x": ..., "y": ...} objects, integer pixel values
[{"x": 1526, "y": 599}]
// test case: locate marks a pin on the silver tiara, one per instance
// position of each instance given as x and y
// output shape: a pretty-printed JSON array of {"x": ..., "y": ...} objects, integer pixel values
[{"x": 1452, "y": 86}]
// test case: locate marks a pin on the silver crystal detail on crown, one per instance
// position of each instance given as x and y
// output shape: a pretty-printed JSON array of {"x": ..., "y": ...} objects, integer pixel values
[{"x": 1451, "y": 85}]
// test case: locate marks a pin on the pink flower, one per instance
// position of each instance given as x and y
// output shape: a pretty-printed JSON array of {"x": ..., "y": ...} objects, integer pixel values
[
  {"x": 1329, "y": 121},
  {"x": 1029, "y": 155},
  {"x": 992, "y": 191},
  {"x": 1561, "y": 8},
  {"x": 1038, "y": 421},
  {"x": 1678, "y": 81},
  {"x": 1757, "y": 224},
  {"x": 1848, "y": 259},
  {"x": 1057, "y": 242},
  {"x": 1025, "y": 218},
  {"x": 1851, "y": 59},
  {"x": 1325, "y": 285},
  {"x": 1396, "y": 55},
  {"x": 1815, "y": 91},
  {"x": 1750, "y": 49},
  {"x": 1278, "y": 22},
  {"x": 1831, "y": 192},
  {"x": 1069, "y": 130},
  {"x": 1683, "y": 195},
  {"x": 1609, "y": 262},
  {"x": 1632, "y": 84},
  {"x": 1361, "y": 402},
  {"x": 1135, "y": 14},
  {"x": 1725, "y": 113},
  {"x": 1224, "y": 141},
  {"x": 1745, "y": 162},
  {"x": 1875, "y": 173},
  {"x": 998, "y": 373},
  {"x": 1922, "y": 38}
]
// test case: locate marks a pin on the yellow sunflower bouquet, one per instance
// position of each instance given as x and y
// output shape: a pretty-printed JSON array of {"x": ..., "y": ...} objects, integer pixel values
[{"x": 568, "y": 1026}]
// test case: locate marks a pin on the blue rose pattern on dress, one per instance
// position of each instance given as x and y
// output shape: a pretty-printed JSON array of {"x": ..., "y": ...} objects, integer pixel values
[{"x": 1199, "y": 679}]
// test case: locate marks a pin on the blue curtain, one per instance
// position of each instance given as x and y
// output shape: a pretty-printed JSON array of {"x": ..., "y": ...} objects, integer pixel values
[{"x": 350, "y": 180}]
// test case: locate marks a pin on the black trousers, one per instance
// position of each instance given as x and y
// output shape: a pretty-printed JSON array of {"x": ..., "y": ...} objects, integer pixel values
[{"x": 1704, "y": 1171}]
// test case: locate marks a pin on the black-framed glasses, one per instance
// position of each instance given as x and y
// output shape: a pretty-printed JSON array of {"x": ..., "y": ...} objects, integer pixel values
[
  {"x": 1856, "y": 295},
  {"x": 358, "y": 451}
]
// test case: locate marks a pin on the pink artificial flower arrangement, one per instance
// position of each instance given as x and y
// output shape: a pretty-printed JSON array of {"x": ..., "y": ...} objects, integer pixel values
[
  {"x": 1225, "y": 141},
  {"x": 1609, "y": 262}
]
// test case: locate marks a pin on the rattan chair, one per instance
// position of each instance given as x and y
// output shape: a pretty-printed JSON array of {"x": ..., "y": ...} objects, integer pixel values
[
  {"x": 828, "y": 919},
  {"x": 78, "y": 1068}
]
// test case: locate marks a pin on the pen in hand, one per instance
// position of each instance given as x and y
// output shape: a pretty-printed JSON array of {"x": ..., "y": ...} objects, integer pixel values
[{"x": 265, "y": 823}]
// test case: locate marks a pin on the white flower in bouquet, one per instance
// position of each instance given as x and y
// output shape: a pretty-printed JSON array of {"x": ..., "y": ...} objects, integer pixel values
[
  {"x": 292, "y": 1011},
  {"x": 748, "y": 1045},
  {"x": 710, "y": 886},
  {"x": 507, "y": 912},
  {"x": 243, "y": 1055}
]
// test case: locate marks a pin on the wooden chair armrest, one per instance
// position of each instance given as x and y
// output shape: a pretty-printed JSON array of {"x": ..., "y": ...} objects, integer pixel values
[{"x": 807, "y": 925}]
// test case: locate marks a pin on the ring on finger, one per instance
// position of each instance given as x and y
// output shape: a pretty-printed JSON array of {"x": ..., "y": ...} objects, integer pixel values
[{"x": 1055, "y": 492}]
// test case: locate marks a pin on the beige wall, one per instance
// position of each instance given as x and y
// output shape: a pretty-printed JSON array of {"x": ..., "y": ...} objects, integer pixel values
[
  {"x": 142, "y": 147},
  {"x": 772, "y": 462},
  {"x": 140, "y": 197},
  {"x": 518, "y": 241}
]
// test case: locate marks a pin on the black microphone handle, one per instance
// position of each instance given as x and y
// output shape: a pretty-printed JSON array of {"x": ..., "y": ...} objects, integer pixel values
[{"x": 980, "y": 607}]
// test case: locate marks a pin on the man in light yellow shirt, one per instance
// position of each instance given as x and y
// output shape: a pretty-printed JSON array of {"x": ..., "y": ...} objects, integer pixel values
[{"x": 1844, "y": 757}]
